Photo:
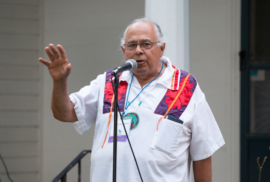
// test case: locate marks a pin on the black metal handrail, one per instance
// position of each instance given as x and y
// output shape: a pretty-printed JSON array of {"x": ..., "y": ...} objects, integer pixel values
[{"x": 63, "y": 175}]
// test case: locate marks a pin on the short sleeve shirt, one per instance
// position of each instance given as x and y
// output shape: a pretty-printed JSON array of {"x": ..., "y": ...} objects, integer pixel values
[{"x": 163, "y": 147}]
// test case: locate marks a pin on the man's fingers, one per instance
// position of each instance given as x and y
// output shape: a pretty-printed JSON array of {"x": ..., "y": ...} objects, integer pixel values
[
  {"x": 48, "y": 51},
  {"x": 69, "y": 66},
  {"x": 62, "y": 51},
  {"x": 54, "y": 51},
  {"x": 46, "y": 63}
]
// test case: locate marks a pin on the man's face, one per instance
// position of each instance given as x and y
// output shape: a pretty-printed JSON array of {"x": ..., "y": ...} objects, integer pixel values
[{"x": 148, "y": 61}]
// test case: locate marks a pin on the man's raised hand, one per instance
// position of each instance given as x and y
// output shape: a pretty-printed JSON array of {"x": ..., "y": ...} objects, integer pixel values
[{"x": 59, "y": 67}]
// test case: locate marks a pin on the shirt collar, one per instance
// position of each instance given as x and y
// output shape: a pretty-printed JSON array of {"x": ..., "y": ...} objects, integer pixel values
[{"x": 169, "y": 78}]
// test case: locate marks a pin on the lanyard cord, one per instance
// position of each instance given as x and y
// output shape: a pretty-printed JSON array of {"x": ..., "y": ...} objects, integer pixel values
[
  {"x": 128, "y": 104},
  {"x": 144, "y": 98}
]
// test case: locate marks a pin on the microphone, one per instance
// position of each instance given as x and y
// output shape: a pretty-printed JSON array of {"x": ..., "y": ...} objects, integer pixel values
[{"x": 130, "y": 65}]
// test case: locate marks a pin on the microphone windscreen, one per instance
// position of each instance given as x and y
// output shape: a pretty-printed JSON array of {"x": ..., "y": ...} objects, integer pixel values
[{"x": 134, "y": 64}]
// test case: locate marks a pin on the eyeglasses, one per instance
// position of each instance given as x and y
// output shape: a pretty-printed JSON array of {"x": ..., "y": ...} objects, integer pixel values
[{"x": 147, "y": 44}]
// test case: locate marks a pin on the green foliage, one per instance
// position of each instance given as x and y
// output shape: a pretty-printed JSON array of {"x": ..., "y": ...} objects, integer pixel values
[{"x": 260, "y": 166}]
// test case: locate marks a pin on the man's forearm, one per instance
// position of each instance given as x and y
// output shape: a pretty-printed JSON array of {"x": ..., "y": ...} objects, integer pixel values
[
  {"x": 62, "y": 107},
  {"x": 203, "y": 170}
]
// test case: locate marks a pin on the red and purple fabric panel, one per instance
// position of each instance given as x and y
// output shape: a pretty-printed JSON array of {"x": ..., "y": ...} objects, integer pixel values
[
  {"x": 182, "y": 101},
  {"x": 108, "y": 94}
]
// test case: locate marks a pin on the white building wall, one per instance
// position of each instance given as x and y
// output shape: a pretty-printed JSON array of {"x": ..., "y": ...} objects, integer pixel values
[
  {"x": 214, "y": 47},
  {"x": 90, "y": 32}
]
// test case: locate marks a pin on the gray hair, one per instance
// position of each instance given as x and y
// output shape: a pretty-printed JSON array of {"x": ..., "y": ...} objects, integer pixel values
[{"x": 161, "y": 40}]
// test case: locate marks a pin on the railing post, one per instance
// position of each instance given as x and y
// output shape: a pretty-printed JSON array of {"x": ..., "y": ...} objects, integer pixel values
[
  {"x": 63, "y": 174},
  {"x": 64, "y": 178},
  {"x": 79, "y": 171}
]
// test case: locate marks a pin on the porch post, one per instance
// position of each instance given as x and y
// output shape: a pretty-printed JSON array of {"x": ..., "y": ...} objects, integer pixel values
[{"x": 173, "y": 18}]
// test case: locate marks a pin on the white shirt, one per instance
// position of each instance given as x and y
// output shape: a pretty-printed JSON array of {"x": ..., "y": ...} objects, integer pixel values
[{"x": 163, "y": 148}]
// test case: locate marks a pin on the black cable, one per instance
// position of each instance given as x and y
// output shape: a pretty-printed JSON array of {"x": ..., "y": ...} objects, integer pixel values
[
  {"x": 129, "y": 143},
  {"x": 5, "y": 168},
  {"x": 126, "y": 133}
]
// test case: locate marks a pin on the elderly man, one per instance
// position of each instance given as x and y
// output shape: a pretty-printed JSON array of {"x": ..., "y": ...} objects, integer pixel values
[{"x": 170, "y": 122}]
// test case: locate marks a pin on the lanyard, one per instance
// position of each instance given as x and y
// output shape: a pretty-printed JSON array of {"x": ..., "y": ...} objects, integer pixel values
[
  {"x": 144, "y": 98},
  {"x": 129, "y": 103}
]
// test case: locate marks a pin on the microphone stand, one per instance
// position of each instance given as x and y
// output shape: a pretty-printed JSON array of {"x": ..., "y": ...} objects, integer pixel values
[{"x": 115, "y": 85}]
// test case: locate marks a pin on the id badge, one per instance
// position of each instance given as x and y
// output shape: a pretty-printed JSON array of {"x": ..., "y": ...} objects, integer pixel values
[{"x": 121, "y": 134}]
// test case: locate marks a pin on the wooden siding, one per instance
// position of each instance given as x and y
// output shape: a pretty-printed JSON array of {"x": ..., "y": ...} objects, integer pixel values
[
  {"x": 20, "y": 89},
  {"x": 29, "y": 177},
  {"x": 18, "y": 57}
]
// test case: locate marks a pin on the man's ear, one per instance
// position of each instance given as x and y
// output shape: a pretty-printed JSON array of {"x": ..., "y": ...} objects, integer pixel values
[
  {"x": 123, "y": 49},
  {"x": 162, "y": 48}
]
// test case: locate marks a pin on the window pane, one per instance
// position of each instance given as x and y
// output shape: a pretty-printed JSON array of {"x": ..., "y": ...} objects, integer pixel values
[
  {"x": 260, "y": 31},
  {"x": 260, "y": 101}
]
